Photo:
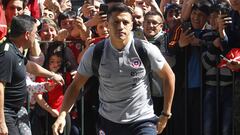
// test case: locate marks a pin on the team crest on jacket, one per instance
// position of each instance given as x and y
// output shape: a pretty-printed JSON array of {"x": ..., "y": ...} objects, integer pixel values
[{"x": 135, "y": 62}]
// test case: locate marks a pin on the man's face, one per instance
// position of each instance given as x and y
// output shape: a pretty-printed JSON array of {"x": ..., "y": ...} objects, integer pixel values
[
  {"x": 67, "y": 24},
  {"x": 235, "y": 4},
  {"x": 143, "y": 5},
  {"x": 66, "y": 4},
  {"x": 120, "y": 26},
  {"x": 152, "y": 25},
  {"x": 213, "y": 20},
  {"x": 31, "y": 37},
  {"x": 14, "y": 8},
  {"x": 102, "y": 30},
  {"x": 138, "y": 17},
  {"x": 48, "y": 13},
  {"x": 198, "y": 19},
  {"x": 172, "y": 15}
]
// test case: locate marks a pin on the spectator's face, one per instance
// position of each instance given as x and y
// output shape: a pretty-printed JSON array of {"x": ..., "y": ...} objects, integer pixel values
[
  {"x": 14, "y": 8},
  {"x": 55, "y": 63},
  {"x": 120, "y": 26},
  {"x": 67, "y": 24},
  {"x": 47, "y": 32},
  {"x": 138, "y": 17},
  {"x": 102, "y": 30},
  {"x": 48, "y": 13},
  {"x": 213, "y": 20},
  {"x": 172, "y": 15},
  {"x": 66, "y": 4},
  {"x": 143, "y": 5},
  {"x": 198, "y": 19},
  {"x": 152, "y": 25},
  {"x": 96, "y": 7},
  {"x": 235, "y": 4}
]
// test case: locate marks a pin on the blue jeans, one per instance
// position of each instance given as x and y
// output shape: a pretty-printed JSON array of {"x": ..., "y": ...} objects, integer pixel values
[
  {"x": 210, "y": 110},
  {"x": 144, "y": 127}
]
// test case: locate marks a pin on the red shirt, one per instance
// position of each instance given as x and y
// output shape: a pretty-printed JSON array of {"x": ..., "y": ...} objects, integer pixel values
[{"x": 56, "y": 95}]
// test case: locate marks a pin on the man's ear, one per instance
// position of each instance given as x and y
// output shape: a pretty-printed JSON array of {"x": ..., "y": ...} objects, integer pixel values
[
  {"x": 132, "y": 25},
  {"x": 161, "y": 25},
  {"x": 26, "y": 35}
]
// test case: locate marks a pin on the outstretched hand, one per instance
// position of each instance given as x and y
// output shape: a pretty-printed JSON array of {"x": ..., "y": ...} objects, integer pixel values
[
  {"x": 58, "y": 79},
  {"x": 59, "y": 125}
]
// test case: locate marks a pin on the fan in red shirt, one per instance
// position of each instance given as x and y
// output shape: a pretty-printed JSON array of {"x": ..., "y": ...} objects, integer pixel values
[{"x": 52, "y": 104}]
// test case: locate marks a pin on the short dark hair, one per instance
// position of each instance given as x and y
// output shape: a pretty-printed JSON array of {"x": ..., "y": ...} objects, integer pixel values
[
  {"x": 65, "y": 15},
  {"x": 118, "y": 7},
  {"x": 151, "y": 13},
  {"x": 5, "y": 3},
  {"x": 21, "y": 24}
]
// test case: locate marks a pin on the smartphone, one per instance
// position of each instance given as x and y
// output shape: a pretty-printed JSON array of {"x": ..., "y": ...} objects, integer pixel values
[
  {"x": 224, "y": 58},
  {"x": 103, "y": 8},
  {"x": 187, "y": 26}
]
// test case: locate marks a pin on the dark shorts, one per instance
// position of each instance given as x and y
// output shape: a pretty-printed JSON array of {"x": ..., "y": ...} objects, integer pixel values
[{"x": 143, "y": 127}]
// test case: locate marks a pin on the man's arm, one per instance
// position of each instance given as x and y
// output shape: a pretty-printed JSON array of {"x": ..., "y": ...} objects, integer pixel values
[
  {"x": 70, "y": 97},
  {"x": 187, "y": 9},
  {"x": 37, "y": 70},
  {"x": 168, "y": 79},
  {"x": 3, "y": 127}
]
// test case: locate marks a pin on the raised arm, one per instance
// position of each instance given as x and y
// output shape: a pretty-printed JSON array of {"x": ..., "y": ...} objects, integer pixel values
[
  {"x": 187, "y": 9},
  {"x": 37, "y": 70}
]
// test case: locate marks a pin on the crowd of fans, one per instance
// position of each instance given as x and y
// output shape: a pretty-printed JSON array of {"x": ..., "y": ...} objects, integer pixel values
[{"x": 191, "y": 35}]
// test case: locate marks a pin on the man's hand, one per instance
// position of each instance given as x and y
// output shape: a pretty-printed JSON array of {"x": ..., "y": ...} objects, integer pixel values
[
  {"x": 185, "y": 38},
  {"x": 88, "y": 10},
  {"x": 62, "y": 35},
  {"x": 3, "y": 128},
  {"x": 58, "y": 126},
  {"x": 58, "y": 78},
  {"x": 98, "y": 18},
  {"x": 222, "y": 21},
  {"x": 162, "y": 122},
  {"x": 53, "y": 5},
  {"x": 234, "y": 65}
]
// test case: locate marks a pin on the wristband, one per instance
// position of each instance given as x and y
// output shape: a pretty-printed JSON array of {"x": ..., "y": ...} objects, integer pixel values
[{"x": 168, "y": 115}]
